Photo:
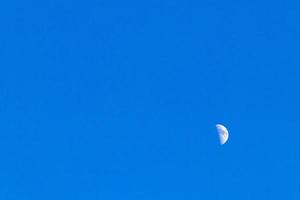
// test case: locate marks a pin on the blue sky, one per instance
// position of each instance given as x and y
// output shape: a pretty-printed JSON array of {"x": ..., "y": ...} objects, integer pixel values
[{"x": 119, "y": 99}]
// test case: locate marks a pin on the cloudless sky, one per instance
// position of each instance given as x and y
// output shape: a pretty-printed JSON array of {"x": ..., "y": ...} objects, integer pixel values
[{"x": 119, "y": 99}]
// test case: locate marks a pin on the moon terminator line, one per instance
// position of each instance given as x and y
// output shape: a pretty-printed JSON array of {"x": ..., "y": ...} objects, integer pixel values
[{"x": 223, "y": 133}]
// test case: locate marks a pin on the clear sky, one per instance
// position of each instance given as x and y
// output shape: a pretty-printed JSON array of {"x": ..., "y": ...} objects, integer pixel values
[{"x": 119, "y": 99}]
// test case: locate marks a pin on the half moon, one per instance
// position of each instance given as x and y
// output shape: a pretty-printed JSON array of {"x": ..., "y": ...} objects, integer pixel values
[{"x": 223, "y": 133}]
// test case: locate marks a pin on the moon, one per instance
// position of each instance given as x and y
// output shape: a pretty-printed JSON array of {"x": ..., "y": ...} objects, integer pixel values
[{"x": 223, "y": 133}]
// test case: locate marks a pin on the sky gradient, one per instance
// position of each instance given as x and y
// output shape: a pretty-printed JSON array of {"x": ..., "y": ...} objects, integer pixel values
[{"x": 119, "y": 100}]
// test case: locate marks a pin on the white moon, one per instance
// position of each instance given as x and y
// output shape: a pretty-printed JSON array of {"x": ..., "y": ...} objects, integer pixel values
[{"x": 223, "y": 133}]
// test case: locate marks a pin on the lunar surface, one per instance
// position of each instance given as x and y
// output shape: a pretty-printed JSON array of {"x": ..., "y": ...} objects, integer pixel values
[{"x": 223, "y": 133}]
